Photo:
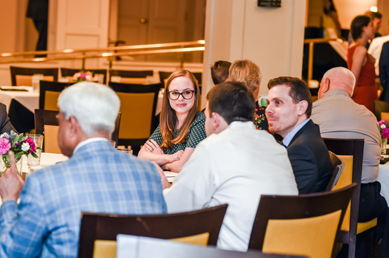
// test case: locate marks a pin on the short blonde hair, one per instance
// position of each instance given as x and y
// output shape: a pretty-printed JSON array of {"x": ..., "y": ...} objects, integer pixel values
[{"x": 246, "y": 71}]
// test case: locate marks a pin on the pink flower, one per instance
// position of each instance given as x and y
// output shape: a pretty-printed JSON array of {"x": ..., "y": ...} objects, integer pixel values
[
  {"x": 382, "y": 122},
  {"x": 385, "y": 133},
  {"x": 32, "y": 144},
  {"x": 5, "y": 146}
]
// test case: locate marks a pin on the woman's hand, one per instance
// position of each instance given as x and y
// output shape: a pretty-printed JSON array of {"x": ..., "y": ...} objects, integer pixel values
[
  {"x": 153, "y": 147},
  {"x": 176, "y": 156}
]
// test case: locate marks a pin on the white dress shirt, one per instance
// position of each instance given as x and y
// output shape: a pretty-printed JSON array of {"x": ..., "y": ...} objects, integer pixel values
[
  {"x": 375, "y": 50},
  {"x": 235, "y": 166}
]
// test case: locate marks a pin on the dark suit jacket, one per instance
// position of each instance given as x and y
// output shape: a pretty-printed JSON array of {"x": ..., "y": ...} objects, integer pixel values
[
  {"x": 384, "y": 71},
  {"x": 5, "y": 124},
  {"x": 38, "y": 10},
  {"x": 310, "y": 160}
]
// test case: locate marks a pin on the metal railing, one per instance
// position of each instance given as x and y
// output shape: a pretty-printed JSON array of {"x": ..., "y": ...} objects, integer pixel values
[
  {"x": 109, "y": 52},
  {"x": 311, "y": 43}
]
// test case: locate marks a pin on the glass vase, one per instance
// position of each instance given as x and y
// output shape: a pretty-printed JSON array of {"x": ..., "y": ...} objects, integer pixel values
[
  {"x": 5, "y": 163},
  {"x": 383, "y": 145}
]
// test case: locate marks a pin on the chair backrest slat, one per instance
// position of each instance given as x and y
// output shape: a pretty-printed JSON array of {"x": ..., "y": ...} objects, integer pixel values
[
  {"x": 23, "y": 72},
  {"x": 166, "y": 226}
]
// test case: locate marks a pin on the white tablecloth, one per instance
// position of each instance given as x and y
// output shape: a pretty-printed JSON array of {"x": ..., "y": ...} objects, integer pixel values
[
  {"x": 383, "y": 178},
  {"x": 28, "y": 99}
]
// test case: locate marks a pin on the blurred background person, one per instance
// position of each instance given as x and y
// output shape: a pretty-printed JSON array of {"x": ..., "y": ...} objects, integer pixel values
[
  {"x": 361, "y": 63},
  {"x": 38, "y": 11},
  {"x": 248, "y": 72},
  {"x": 219, "y": 71},
  {"x": 330, "y": 20}
]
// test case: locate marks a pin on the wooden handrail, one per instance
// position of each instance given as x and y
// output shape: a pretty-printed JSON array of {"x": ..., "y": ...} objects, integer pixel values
[
  {"x": 104, "y": 55},
  {"x": 85, "y": 50}
]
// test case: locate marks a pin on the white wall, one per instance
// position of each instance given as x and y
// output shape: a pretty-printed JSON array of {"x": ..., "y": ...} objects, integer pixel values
[
  {"x": 270, "y": 37},
  {"x": 348, "y": 9}
]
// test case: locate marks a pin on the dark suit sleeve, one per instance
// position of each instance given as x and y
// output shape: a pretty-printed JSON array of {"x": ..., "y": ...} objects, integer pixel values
[
  {"x": 5, "y": 125},
  {"x": 384, "y": 70},
  {"x": 304, "y": 167}
]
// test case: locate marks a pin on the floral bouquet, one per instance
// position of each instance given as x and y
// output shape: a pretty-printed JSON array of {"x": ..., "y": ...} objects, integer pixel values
[
  {"x": 83, "y": 76},
  {"x": 17, "y": 143}
]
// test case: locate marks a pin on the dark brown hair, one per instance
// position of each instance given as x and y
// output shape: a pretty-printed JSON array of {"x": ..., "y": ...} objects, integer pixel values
[
  {"x": 219, "y": 71},
  {"x": 298, "y": 90},
  {"x": 232, "y": 100},
  {"x": 357, "y": 26},
  {"x": 168, "y": 117}
]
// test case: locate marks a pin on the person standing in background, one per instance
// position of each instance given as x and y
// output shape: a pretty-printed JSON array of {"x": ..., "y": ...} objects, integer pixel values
[
  {"x": 361, "y": 63},
  {"x": 38, "y": 11}
]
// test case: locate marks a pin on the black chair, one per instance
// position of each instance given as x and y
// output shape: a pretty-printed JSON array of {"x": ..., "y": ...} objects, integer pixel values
[
  {"x": 145, "y": 247},
  {"x": 203, "y": 223},
  {"x": 51, "y": 74},
  {"x": 337, "y": 168},
  {"x": 49, "y": 93},
  {"x": 130, "y": 74},
  {"x": 305, "y": 224},
  {"x": 351, "y": 152},
  {"x": 69, "y": 72},
  {"x": 138, "y": 104}
]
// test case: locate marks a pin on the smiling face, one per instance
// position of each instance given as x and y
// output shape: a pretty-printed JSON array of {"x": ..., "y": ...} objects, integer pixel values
[
  {"x": 182, "y": 85},
  {"x": 282, "y": 113}
]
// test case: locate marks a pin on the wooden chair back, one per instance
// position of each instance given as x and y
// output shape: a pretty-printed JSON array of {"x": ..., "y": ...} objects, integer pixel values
[
  {"x": 142, "y": 247},
  {"x": 385, "y": 116},
  {"x": 22, "y": 76},
  {"x": 337, "y": 168},
  {"x": 69, "y": 73},
  {"x": 351, "y": 152},
  {"x": 380, "y": 106},
  {"x": 132, "y": 77},
  {"x": 49, "y": 93},
  {"x": 138, "y": 103},
  {"x": 300, "y": 225},
  {"x": 46, "y": 124},
  {"x": 95, "y": 227}
]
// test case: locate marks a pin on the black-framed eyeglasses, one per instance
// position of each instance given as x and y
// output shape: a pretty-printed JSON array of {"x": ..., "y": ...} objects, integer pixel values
[{"x": 187, "y": 94}]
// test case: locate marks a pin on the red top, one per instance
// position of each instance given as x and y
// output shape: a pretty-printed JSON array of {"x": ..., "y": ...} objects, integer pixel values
[{"x": 365, "y": 91}]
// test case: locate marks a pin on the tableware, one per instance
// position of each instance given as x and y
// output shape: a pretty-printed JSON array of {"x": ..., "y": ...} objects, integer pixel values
[{"x": 38, "y": 140}]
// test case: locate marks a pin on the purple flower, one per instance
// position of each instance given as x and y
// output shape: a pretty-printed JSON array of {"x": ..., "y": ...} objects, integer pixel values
[
  {"x": 385, "y": 133},
  {"x": 382, "y": 122},
  {"x": 5, "y": 146}
]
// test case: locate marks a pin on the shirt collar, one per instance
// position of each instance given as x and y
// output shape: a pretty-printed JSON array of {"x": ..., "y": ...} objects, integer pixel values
[
  {"x": 237, "y": 124},
  {"x": 93, "y": 139},
  {"x": 291, "y": 134},
  {"x": 336, "y": 92}
]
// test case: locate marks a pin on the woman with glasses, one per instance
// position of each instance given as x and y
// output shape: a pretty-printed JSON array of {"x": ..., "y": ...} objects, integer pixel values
[{"x": 181, "y": 126}]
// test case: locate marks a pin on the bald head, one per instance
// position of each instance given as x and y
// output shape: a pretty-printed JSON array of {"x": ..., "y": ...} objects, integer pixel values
[{"x": 337, "y": 78}]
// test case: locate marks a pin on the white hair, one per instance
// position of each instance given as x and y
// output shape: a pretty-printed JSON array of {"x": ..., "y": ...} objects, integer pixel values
[
  {"x": 343, "y": 75},
  {"x": 95, "y": 106}
]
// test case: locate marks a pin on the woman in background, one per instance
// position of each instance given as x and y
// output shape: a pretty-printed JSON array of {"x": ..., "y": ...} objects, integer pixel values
[
  {"x": 361, "y": 63},
  {"x": 248, "y": 72},
  {"x": 181, "y": 126}
]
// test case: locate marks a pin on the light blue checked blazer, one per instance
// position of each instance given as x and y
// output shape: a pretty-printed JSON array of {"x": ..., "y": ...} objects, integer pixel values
[{"x": 97, "y": 178}]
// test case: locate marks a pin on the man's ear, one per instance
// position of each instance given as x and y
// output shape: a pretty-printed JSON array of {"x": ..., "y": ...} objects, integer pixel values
[
  {"x": 74, "y": 126},
  {"x": 302, "y": 107},
  {"x": 216, "y": 121},
  {"x": 326, "y": 86}
]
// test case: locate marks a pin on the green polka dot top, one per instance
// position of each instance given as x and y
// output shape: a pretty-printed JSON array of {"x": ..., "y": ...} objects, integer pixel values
[{"x": 195, "y": 136}]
